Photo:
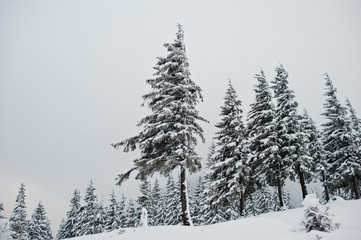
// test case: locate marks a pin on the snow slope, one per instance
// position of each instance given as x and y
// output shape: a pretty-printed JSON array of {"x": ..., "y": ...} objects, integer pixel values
[{"x": 271, "y": 226}]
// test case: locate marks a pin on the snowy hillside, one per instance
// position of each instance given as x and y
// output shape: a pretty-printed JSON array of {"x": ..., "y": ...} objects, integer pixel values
[{"x": 272, "y": 226}]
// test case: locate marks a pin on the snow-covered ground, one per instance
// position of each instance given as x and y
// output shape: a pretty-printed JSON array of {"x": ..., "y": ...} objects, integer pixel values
[{"x": 271, "y": 226}]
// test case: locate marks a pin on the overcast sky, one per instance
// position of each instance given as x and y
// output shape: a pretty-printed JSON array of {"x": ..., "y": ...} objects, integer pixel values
[{"x": 72, "y": 74}]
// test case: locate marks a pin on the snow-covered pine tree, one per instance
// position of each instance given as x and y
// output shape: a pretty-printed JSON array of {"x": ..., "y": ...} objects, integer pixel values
[
  {"x": 316, "y": 151},
  {"x": 287, "y": 129},
  {"x": 122, "y": 212},
  {"x": 304, "y": 165},
  {"x": 261, "y": 137},
  {"x": 337, "y": 141},
  {"x": 112, "y": 214},
  {"x": 39, "y": 225},
  {"x": 317, "y": 216},
  {"x": 169, "y": 135},
  {"x": 145, "y": 200},
  {"x": 263, "y": 201},
  {"x": 61, "y": 233},
  {"x": 86, "y": 223},
  {"x": 355, "y": 149},
  {"x": 99, "y": 218},
  {"x": 132, "y": 217},
  {"x": 5, "y": 231},
  {"x": 229, "y": 174},
  {"x": 157, "y": 204},
  {"x": 198, "y": 202},
  {"x": 18, "y": 222},
  {"x": 171, "y": 203},
  {"x": 209, "y": 214},
  {"x": 68, "y": 228}
]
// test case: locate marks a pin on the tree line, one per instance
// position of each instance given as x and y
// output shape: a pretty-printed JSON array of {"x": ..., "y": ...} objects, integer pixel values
[{"x": 274, "y": 144}]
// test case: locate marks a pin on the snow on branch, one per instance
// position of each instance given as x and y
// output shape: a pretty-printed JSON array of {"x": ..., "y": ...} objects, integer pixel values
[
  {"x": 124, "y": 176},
  {"x": 128, "y": 144}
]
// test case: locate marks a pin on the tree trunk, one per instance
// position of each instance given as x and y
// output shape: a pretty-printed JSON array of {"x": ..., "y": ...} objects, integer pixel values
[
  {"x": 241, "y": 204},
  {"x": 355, "y": 186},
  {"x": 302, "y": 181},
  {"x": 184, "y": 199},
  {"x": 327, "y": 196},
  {"x": 279, "y": 186}
]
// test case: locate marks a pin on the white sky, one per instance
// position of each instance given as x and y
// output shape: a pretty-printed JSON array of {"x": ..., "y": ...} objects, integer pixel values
[{"x": 72, "y": 74}]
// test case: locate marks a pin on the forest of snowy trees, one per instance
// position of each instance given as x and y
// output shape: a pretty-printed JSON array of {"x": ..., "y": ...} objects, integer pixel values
[{"x": 252, "y": 156}]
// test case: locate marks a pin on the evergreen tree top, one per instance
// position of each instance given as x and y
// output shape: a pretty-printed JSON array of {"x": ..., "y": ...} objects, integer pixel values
[
  {"x": 337, "y": 128},
  {"x": 262, "y": 110},
  {"x": 356, "y": 122},
  {"x": 286, "y": 103},
  {"x": 19, "y": 213},
  {"x": 90, "y": 197},
  {"x": 170, "y": 132}
]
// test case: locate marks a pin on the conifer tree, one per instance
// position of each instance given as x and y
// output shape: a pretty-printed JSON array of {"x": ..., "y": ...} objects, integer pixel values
[
  {"x": 354, "y": 149},
  {"x": 263, "y": 201},
  {"x": 145, "y": 199},
  {"x": 5, "y": 231},
  {"x": 86, "y": 223},
  {"x": 112, "y": 214},
  {"x": 304, "y": 165},
  {"x": 261, "y": 136},
  {"x": 198, "y": 202},
  {"x": 39, "y": 225},
  {"x": 122, "y": 212},
  {"x": 287, "y": 129},
  {"x": 67, "y": 228},
  {"x": 61, "y": 231},
  {"x": 157, "y": 205},
  {"x": 169, "y": 135},
  {"x": 317, "y": 216},
  {"x": 132, "y": 216},
  {"x": 315, "y": 151},
  {"x": 337, "y": 141},
  {"x": 99, "y": 218},
  {"x": 172, "y": 205},
  {"x": 18, "y": 222},
  {"x": 209, "y": 213},
  {"x": 229, "y": 174}
]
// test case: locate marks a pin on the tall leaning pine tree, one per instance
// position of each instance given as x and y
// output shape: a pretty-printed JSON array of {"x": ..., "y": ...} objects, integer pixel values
[
  {"x": 169, "y": 133},
  {"x": 230, "y": 173},
  {"x": 18, "y": 222},
  {"x": 337, "y": 141},
  {"x": 261, "y": 135},
  {"x": 287, "y": 129}
]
